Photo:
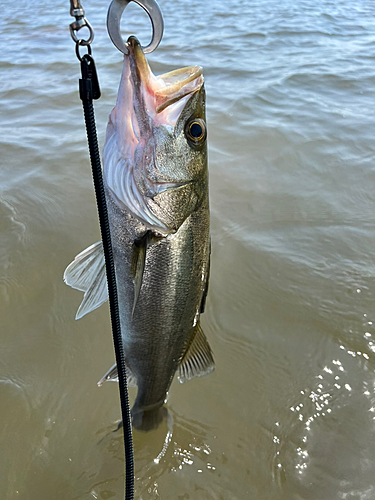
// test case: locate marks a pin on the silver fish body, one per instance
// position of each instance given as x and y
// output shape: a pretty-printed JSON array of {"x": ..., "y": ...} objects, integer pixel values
[
  {"x": 155, "y": 172},
  {"x": 159, "y": 332}
]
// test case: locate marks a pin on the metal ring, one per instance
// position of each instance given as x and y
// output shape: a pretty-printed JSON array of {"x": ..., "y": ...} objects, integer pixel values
[
  {"x": 76, "y": 26},
  {"x": 82, "y": 43},
  {"x": 114, "y": 17}
]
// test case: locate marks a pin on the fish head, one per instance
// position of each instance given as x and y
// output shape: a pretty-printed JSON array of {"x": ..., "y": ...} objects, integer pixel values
[{"x": 155, "y": 155}]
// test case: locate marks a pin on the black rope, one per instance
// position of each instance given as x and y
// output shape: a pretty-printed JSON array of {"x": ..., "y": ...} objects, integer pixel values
[{"x": 89, "y": 90}]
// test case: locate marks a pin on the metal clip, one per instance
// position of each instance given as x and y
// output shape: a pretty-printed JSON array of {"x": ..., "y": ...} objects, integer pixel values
[
  {"x": 114, "y": 17},
  {"x": 77, "y": 11},
  {"x": 89, "y": 84}
]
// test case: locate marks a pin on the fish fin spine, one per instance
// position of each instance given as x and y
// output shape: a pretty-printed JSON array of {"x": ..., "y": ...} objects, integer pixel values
[
  {"x": 112, "y": 376},
  {"x": 198, "y": 359},
  {"x": 87, "y": 273}
]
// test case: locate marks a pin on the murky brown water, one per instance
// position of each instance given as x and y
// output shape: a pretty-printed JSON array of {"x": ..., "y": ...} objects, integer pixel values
[{"x": 289, "y": 412}]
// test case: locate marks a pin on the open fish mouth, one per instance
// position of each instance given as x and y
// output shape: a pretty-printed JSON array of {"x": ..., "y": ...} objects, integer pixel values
[
  {"x": 145, "y": 103},
  {"x": 161, "y": 92}
]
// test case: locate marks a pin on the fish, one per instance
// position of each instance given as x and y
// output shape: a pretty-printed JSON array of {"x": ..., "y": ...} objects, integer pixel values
[{"x": 156, "y": 185}]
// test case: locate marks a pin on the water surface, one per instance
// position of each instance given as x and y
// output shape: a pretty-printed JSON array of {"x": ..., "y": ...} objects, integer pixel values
[{"x": 289, "y": 413}]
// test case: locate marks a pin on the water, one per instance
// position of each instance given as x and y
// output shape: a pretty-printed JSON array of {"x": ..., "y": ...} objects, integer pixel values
[{"x": 289, "y": 413}]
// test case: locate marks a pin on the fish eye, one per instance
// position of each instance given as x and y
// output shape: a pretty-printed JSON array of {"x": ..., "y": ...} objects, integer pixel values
[{"x": 196, "y": 131}]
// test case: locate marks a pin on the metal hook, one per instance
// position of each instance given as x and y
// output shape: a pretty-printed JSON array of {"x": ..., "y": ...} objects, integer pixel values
[{"x": 114, "y": 17}]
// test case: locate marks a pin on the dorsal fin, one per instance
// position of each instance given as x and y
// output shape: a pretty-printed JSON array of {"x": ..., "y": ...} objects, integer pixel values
[
  {"x": 87, "y": 273},
  {"x": 198, "y": 359}
]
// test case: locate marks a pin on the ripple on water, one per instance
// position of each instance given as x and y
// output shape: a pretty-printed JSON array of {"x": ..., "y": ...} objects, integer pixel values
[{"x": 289, "y": 411}]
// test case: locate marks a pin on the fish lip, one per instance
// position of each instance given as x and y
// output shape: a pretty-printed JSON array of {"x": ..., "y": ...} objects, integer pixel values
[
  {"x": 166, "y": 89},
  {"x": 133, "y": 44},
  {"x": 137, "y": 56}
]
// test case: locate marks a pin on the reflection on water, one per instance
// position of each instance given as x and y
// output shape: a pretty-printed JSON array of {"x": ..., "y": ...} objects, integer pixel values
[
  {"x": 165, "y": 453},
  {"x": 289, "y": 412}
]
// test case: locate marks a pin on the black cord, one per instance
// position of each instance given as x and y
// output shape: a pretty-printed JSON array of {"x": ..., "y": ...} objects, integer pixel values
[{"x": 89, "y": 90}]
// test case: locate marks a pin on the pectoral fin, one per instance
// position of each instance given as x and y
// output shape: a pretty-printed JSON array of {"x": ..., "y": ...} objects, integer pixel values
[
  {"x": 140, "y": 247},
  {"x": 112, "y": 376},
  {"x": 87, "y": 273},
  {"x": 138, "y": 265},
  {"x": 198, "y": 359}
]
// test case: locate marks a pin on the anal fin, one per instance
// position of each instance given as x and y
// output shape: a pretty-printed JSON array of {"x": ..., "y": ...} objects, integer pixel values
[
  {"x": 198, "y": 359},
  {"x": 112, "y": 376}
]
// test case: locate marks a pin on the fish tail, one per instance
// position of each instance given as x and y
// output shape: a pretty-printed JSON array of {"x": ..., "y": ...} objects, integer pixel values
[{"x": 146, "y": 419}]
